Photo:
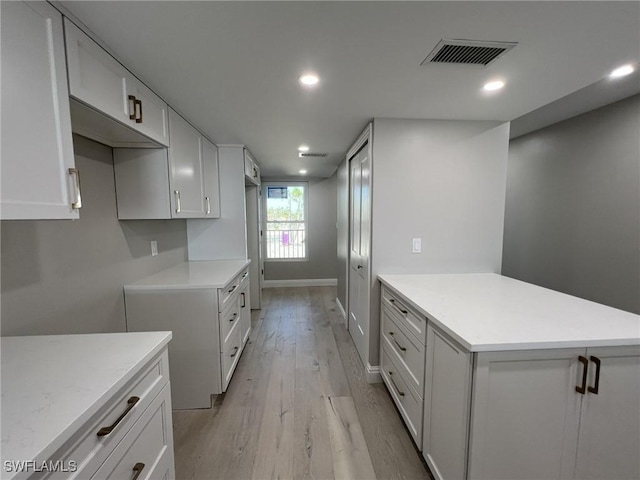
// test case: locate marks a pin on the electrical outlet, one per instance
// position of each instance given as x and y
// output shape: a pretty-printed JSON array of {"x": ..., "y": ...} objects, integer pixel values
[
  {"x": 416, "y": 245},
  {"x": 154, "y": 248}
]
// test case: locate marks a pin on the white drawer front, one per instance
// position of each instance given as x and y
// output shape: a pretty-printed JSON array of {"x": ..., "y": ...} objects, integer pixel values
[
  {"x": 228, "y": 294},
  {"x": 88, "y": 449},
  {"x": 147, "y": 450},
  {"x": 409, "y": 403},
  {"x": 408, "y": 351},
  {"x": 228, "y": 319},
  {"x": 231, "y": 351},
  {"x": 414, "y": 322}
]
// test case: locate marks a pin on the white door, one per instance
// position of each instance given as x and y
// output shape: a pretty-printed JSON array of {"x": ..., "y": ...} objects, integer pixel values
[
  {"x": 609, "y": 440},
  {"x": 36, "y": 147},
  {"x": 360, "y": 234}
]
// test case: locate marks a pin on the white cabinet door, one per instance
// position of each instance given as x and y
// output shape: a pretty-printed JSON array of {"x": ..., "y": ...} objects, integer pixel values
[
  {"x": 245, "y": 309},
  {"x": 186, "y": 169},
  {"x": 525, "y": 415},
  {"x": 95, "y": 77},
  {"x": 150, "y": 115},
  {"x": 37, "y": 148},
  {"x": 211, "y": 179},
  {"x": 251, "y": 170},
  {"x": 609, "y": 441}
]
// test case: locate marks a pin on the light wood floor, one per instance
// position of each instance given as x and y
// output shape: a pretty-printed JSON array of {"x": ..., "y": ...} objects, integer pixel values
[{"x": 298, "y": 405}]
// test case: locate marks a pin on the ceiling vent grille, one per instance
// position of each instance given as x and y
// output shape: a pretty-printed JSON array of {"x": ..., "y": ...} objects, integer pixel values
[
  {"x": 312, "y": 155},
  {"x": 467, "y": 52}
]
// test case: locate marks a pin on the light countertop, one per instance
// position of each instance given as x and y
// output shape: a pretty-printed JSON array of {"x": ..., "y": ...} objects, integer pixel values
[
  {"x": 192, "y": 275},
  {"x": 52, "y": 385},
  {"x": 489, "y": 312}
]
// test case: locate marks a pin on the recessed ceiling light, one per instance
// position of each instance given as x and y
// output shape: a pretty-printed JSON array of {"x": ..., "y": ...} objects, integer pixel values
[
  {"x": 303, "y": 172},
  {"x": 495, "y": 85},
  {"x": 621, "y": 71},
  {"x": 309, "y": 79},
  {"x": 303, "y": 148}
]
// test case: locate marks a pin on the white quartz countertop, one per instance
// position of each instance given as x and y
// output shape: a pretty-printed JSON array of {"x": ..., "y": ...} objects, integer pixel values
[
  {"x": 489, "y": 312},
  {"x": 191, "y": 275},
  {"x": 52, "y": 385}
]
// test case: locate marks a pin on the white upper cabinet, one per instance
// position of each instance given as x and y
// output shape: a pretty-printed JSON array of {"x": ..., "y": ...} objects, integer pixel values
[
  {"x": 99, "y": 81},
  {"x": 251, "y": 169},
  {"x": 39, "y": 180},
  {"x": 185, "y": 169},
  {"x": 211, "y": 179}
]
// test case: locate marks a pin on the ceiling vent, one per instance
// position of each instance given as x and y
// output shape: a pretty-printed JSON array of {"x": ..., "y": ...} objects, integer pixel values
[
  {"x": 312, "y": 155},
  {"x": 467, "y": 52}
]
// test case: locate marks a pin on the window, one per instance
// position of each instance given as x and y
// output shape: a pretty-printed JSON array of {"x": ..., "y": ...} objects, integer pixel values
[{"x": 286, "y": 207}]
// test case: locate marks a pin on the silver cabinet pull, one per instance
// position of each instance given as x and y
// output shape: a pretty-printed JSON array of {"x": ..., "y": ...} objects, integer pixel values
[
  {"x": 177, "y": 194},
  {"x": 400, "y": 392},
  {"x": 208, "y": 205},
  {"x": 138, "y": 110},
  {"x": 77, "y": 204}
]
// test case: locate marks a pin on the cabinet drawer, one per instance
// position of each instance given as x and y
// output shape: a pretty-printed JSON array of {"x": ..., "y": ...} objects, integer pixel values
[
  {"x": 231, "y": 351},
  {"x": 409, "y": 403},
  {"x": 88, "y": 449},
  {"x": 243, "y": 279},
  {"x": 227, "y": 295},
  {"x": 148, "y": 447},
  {"x": 406, "y": 348},
  {"x": 415, "y": 322},
  {"x": 228, "y": 319}
]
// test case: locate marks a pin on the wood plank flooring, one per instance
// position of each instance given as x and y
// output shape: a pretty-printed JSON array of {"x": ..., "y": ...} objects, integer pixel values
[{"x": 298, "y": 406}]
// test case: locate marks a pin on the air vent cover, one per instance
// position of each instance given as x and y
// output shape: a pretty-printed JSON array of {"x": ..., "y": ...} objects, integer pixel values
[
  {"x": 467, "y": 52},
  {"x": 312, "y": 155}
]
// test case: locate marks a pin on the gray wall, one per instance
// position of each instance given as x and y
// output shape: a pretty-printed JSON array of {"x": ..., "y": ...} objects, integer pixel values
[
  {"x": 443, "y": 181},
  {"x": 63, "y": 276},
  {"x": 342, "y": 186},
  {"x": 573, "y": 206},
  {"x": 322, "y": 239}
]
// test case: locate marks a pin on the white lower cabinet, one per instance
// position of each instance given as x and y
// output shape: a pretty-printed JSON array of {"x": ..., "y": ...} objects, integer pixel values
[
  {"x": 522, "y": 416},
  {"x": 39, "y": 179}
]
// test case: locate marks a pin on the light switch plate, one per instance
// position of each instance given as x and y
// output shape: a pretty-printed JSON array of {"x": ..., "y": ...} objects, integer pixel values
[
  {"x": 154, "y": 248},
  {"x": 416, "y": 245}
]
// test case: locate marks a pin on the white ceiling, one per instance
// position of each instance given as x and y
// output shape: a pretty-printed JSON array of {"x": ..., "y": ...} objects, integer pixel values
[{"x": 232, "y": 67}]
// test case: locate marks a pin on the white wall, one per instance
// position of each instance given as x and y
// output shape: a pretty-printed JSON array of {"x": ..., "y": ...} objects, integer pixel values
[
  {"x": 442, "y": 181},
  {"x": 63, "y": 277},
  {"x": 322, "y": 235},
  {"x": 573, "y": 206},
  {"x": 224, "y": 237}
]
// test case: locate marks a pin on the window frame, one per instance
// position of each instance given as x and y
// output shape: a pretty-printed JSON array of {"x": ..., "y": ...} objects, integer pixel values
[{"x": 266, "y": 222}]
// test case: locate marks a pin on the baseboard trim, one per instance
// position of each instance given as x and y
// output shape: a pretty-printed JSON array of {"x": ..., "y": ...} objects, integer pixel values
[
  {"x": 308, "y": 282},
  {"x": 341, "y": 308},
  {"x": 373, "y": 374}
]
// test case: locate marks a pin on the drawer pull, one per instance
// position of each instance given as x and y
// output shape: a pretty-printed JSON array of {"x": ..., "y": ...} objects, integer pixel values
[
  {"x": 400, "y": 392},
  {"x": 235, "y": 352},
  {"x": 232, "y": 289},
  {"x": 403, "y": 349},
  {"x": 178, "y": 206},
  {"x": 244, "y": 300},
  {"x": 130, "y": 404},
  {"x": 585, "y": 367},
  {"x": 132, "y": 107},
  {"x": 596, "y": 387},
  {"x": 393, "y": 302},
  {"x": 138, "y": 467},
  {"x": 233, "y": 317},
  {"x": 138, "y": 110}
]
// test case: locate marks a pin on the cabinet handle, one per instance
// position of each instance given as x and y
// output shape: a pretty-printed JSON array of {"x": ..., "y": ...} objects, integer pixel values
[
  {"x": 393, "y": 302},
  {"x": 208, "y": 205},
  {"x": 138, "y": 110},
  {"x": 232, "y": 289},
  {"x": 400, "y": 392},
  {"x": 77, "y": 204},
  {"x": 596, "y": 387},
  {"x": 585, "y": 367},
  {"x": 233, "y": 317},
  {"x": 138, "y": 467},
  {"x": 244, "y": 300},
  {"x": 396, "y": 341},
  {"x": 132, "y": 107},
  {"x": 235, "y": 351},
  {"x": 130, "y": 404},
  {"x": 178, "y": 206}
]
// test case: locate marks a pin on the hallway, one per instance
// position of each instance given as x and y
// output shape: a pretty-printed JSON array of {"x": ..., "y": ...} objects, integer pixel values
[{"x": 298, "y": 406}]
